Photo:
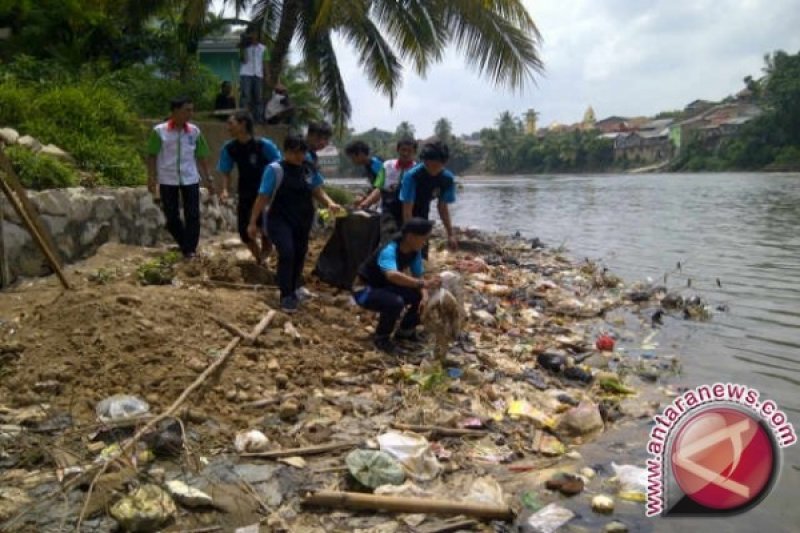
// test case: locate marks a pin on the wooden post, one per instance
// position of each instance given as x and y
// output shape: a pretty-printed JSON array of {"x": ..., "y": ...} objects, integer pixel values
[{"x": 30, "y": 220}]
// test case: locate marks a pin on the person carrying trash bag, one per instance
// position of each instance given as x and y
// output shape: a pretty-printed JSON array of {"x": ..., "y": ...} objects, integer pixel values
[
  {"x": 290, "y": 188},
  {"x": 384, "y": 286}
]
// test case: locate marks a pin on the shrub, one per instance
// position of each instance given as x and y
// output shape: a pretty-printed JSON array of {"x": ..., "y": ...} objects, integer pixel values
[
  {"x": 15, "y": 103},
  {"x": 38, "y": 171},
  {"x": 339, "y": 195}
]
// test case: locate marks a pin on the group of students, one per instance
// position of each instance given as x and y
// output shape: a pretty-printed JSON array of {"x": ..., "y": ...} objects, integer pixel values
[{"x": 275, "y": 207}]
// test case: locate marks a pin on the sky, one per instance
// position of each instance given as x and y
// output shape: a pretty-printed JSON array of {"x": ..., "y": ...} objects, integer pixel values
[{"x": 622, "y": 57}]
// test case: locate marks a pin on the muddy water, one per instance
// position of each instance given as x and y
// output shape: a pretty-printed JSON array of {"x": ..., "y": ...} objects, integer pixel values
[{"x": 740, "y": 229}]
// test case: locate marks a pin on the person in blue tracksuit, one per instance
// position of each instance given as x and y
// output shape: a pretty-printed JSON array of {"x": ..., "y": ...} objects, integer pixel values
[
  {"x": 428, "y": 181},
  {"x": 359, "y": 154},
  {"x": 290, "y": 190},
  {"x": 391, "y": 281},
  {"x": 251, "y": 156}
]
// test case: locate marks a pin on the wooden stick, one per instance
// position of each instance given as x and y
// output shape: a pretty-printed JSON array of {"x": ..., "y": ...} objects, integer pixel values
[
  {"x": 236, "y": 286},
  {"x": 231, "y": 328},
  {"x": 442, "y": 431},
  {"x": 310, "y": 450},
  {"x": 446, "y": 527},
  {"x": 25, "y": 202},
  {"x": 373, "y": 502},
  {"x": 40, "y": 241},
  {"x": 4, "y": 272},
  {"x": 128, "y": 446}
]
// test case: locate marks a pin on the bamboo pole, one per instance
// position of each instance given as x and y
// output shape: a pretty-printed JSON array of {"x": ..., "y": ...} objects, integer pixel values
[
  {"x": 397, "y": 504},
  {"x": 38, "y": 238},
  {"x": 441, "y": 431}
]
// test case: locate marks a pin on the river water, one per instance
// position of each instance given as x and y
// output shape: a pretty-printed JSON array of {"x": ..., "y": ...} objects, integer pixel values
[{"x": 740, "y": 229}]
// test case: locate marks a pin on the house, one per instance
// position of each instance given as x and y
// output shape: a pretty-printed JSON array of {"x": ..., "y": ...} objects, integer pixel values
[
  {"x": 697, "y": 106},
  {"x": 612, "y": 124},
  {"x": 715, "y": 123},
  {"x": 221, "y": 56}
]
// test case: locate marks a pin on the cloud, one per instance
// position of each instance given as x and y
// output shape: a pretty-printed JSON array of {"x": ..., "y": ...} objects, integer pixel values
[{"x": 622, "y": 57}]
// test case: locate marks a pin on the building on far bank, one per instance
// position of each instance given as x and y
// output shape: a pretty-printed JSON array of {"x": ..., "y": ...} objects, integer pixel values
[
  {"x": 612, "y": 124},
  {"x": 328, "y": 160},
  {"x": 649, "y": 143},
  {"x": 713, "y": 125},
  {"x": 221, "y": 55}
]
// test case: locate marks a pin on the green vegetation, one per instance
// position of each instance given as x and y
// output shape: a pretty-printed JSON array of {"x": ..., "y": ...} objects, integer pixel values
[
  {"x": 159, "y": 271},
  {"x": 37, "y": 171}
]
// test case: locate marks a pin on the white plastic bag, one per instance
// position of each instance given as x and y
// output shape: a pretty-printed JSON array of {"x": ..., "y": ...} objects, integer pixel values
[
  {"x": 632, "y": 481},
  {"x": 414, "y": 453},
  {"x": 121, "y": 407}
]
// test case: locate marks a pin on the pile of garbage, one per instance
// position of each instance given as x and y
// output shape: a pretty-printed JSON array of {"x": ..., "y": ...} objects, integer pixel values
[{"x": 308, "y": 425}]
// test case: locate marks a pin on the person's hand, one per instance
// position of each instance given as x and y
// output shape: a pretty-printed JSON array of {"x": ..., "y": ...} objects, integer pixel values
[
  {"x": 223, "y": 194},
  {"x": 252, "y": 231},
  {"x": 452, "y": 242},
  {"x": 335, "y": 208},
  {"x": 433, "y": 283}
]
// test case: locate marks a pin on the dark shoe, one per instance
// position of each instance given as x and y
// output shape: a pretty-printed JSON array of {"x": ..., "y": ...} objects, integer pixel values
[
  {"x": 385, "y": 345},
  {"x": 409, "y": 335},
  {"x": 289, "y": 304}
]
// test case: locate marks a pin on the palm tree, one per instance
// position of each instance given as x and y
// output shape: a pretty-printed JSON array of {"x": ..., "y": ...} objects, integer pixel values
[
  {"x": 443, "y": 130},
  {"x": 404, "y": 130},
  {"x": 498, "y": 38}
]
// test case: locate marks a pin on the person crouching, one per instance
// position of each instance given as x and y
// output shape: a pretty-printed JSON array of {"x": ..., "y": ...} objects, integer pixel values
[{"x": 384, "y": 286}]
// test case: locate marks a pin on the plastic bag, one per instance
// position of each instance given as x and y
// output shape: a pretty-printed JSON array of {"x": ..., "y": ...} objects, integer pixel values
[
  {"x": 632, "y": 481},
  {"x": 373, "y": 468},
  {"x": 121, "y": 407},
  {"x": 414, "y": 453},
  {"x": 251, "y": 441},
  {"x": 549, "y": 518}
]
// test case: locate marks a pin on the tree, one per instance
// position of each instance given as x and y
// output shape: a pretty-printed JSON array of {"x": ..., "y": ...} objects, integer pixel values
[
  {"x": 498, "y": 38},
  {"x": 443, "y": 130},
  {"x": 404, "y": 129}
]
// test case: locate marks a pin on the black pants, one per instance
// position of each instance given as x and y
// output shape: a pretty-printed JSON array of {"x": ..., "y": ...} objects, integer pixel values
[
  {"x": 187, "y": 232},
  {"x": 291, "y": 241},
  {"x": 390, "y": 302}
]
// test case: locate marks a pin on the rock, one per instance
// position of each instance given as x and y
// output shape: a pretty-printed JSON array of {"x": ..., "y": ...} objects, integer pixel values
[
  {"x": 281, "y": 379},
  {"x": 288, "y": 410},
  {"x": 167, "y": 441},
  {"x": 602, "y": 504},
  {"x": 615, "y": 527},
  {"x": 232, "y": 244},
  {"x": 252, "y": 441},
  {"x": 581, "y": 420},
  {"x": 566, "y": 484},
  {"x": 9, "y": 136},
  {"x": 126, "y": 299},
  {"x": 273, "y": 365},
  {"x": 48, "y": 387},
  {"x": 188, "y": 496},
  {"x": 54, "y": 151},
  {"x": 146, "y": 509},
  {"x": 588, "y": 473},
  {"x": 12, "y": 500},
  {"x": 484, "y": 317},
  {"x": 30, "y": 143}
]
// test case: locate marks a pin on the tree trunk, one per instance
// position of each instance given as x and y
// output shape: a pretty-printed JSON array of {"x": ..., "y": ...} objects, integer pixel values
[{"x": 283, "y": 40}]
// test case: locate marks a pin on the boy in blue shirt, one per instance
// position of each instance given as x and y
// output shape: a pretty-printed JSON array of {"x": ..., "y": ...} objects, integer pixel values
[
  {"x": 251, "y": 156},
  {"x": 290, "y": 188},
  {"x": 384, "y": 286},
  {"x": 358, "y": 152},
  {"x": 428, "y": 181}
]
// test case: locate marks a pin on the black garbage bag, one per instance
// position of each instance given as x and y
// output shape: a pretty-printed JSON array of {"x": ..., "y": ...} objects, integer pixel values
[{"x": 354, "y": 238}]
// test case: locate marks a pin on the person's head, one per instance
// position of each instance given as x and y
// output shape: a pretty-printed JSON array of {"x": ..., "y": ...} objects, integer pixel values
[
  {"x": 225, "y": 88},
  {"x": 294, "y": 149},
  {"x": 415, "y": 233},
  {"x": 406, "y": 149},
  {"x": 251, "y": 36},
  {"x": 240, "y": 124},
  {"x": 434, "y": 156},
  {"x": 181, "y": 109},
  {"x": 358, "y": 152},
  {"x": 318, "y": 135}
]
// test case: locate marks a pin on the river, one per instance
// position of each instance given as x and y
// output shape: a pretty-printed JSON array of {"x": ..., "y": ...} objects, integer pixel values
[{"x": 741, "y": 229}]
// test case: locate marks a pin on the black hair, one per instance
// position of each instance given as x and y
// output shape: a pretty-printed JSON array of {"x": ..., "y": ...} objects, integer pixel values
[
  {"x": 435, "y": 151},
  {"x": 356, "y": 147},
  {"x": 417, "y": 226},
  {"x": 295, "y": 143},
  {"x": 407, "y": 141},
  {"x": 247, "y": 118},
  {"x": 322, "y": 128},
  {"x": 179, "y": 102},
  {"x": 224, "y": 83}
]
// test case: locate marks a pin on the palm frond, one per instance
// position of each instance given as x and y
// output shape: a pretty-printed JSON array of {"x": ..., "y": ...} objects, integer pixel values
[
  {"x": 411, "y": 28},
  {"x": 495, "y": 37},
  {"x": 376, "y": 56},
  {"x": 267, "y": 16}
]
